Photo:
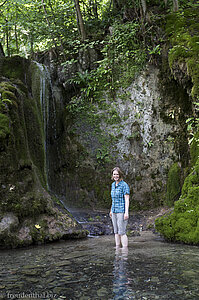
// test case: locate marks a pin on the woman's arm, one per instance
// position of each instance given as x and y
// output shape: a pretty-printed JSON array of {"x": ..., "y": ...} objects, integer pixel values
[
  {"x": 110, "y": 214},
  {"x": 126, "y": 214}
]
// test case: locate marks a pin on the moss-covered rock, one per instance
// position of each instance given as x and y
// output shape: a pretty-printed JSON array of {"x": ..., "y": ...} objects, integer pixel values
[
  {"x": 183, "y": 223},
  {"x": 4, "y": 126},
  {"x": 38, "y": 229},
  {"x": 24, "y": 199},
  {"x": 183, "y": 32},
  {"x": 15, "y": 68},
  {"x": 173, "y": 184}
]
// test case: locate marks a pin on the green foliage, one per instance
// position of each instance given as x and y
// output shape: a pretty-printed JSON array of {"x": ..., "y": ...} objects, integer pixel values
[
  {"x": 33, "y": 26},
  {"x": 155, "y": 50},
  {"x": 124, "y": 56},
  {"x": 103, "y": 155},
  {"x": 183, "y": 32},
  {"x": 194, "y": 149},
  {"x": 193, "y": 132},
  {"x": 183, "y": 223}
]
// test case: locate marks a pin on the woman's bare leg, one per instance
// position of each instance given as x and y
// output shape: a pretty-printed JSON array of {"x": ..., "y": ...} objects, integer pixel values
[
  {"x": 124, "y": 240},
  {"x": 117, "y": 240}
]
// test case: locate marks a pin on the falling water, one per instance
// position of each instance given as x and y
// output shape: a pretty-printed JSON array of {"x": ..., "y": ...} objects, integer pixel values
[
  {"x": 48, "y": 112},
  {"x": 49, "y": 120}
]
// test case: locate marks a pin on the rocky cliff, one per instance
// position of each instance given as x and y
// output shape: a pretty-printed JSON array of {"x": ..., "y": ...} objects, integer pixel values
[
  {"x": 183, "y": 225},
  {"x": 28, "y": 213},
  {"x": 142, "y": 130}
]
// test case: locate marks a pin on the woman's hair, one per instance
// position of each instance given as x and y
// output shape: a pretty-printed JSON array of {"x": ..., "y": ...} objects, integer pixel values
[{"x": 119, "y": 172}]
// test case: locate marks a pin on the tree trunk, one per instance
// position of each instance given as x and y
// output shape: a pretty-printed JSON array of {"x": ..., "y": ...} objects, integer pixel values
[
  {"x": 1, "y": 51},
  {"x": 80, "y": 20},
  {"x": 7, "y": 38},
  {"x": 16, "y": 39},
  {"x": 95, "y": 9},
  {"x": 175, "y": 5},
  {"x": 31, "y": 44},
  {"x": 143, "y": 3}
]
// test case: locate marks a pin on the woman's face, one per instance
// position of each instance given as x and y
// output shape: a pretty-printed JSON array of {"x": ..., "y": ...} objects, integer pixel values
[{"x": 116, "y": 176}]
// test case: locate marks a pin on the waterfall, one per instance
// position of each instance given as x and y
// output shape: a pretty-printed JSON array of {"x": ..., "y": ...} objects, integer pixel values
[
  {"x": 51, "y": 105},
  {"x": 48, "y": 113},
  {"x": 50, "y": 108},
  {"x": 44, "y": 99}
]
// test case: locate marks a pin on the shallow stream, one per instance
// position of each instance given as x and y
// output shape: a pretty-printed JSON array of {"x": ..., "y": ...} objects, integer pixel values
[{"x": 93, "y": 269}]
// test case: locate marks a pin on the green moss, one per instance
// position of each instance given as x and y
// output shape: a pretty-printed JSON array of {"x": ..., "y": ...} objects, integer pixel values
[
  {"x": 191, "y": 181},
  {"x": 25, "y": 124},
  {"x": 178, "y": 52},
  {"x": 34, "y": 127},
  {"x": 173, "y": 184},
  {"x": 24, "y": 205},
  {"x": 183, "y": 223},
  {"x": 4, "y": 126},
  {"x": 183, "y": 32},
  {"x": 20, "y": 85},
  {"x": 14, "y": 67},
  {"x": 20, "y": 130},
  {"x": 7, "y": 86},
  {"x": 8, "y": 95}
]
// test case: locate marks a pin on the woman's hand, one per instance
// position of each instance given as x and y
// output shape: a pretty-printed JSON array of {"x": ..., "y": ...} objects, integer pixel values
[
  {"x": 126, "y": 216},
  {"x": 110, "y": 214}
]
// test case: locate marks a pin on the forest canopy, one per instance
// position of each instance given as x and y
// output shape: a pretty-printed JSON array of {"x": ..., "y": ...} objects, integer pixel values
[{"x": 28, "y": 26}]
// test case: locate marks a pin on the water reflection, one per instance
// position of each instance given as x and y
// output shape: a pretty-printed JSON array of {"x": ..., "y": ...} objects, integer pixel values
[
  {"x": 121, "y": 276},
  {"x": 91, "y": 269}
]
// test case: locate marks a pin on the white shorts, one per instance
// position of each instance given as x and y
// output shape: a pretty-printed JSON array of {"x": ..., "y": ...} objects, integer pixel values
[{"x": 119, "y": 224}]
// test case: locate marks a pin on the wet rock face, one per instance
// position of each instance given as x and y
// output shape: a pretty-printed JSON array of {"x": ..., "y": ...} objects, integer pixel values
[
  {"x": 24, "y": 199},
  {"x": 144, "y": 150},
  {"x": 142, "y": 130},
  {"x": 150, "y": 128},
  {"x": 8, "y": 222}
]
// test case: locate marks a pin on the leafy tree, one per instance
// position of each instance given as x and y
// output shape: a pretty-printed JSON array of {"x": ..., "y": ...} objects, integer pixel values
[
  {"x": 30, "y": 26},
  {"x": 80, "y": 20}
]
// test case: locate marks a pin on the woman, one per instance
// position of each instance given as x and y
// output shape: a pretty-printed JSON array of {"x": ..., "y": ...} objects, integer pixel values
[{"x": 120, "y": 207}]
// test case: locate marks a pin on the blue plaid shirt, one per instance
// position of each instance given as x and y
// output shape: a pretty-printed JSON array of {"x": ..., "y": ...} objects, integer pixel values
[{"x": 117, "y": 194}]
